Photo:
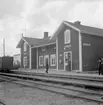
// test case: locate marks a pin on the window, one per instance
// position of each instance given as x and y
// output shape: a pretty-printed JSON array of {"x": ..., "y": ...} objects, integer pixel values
[
  {"x": 55, "y": 46},
  {"x": 67, "y": 36},
  {"x": 53, "y": 60},
  {"x": 46, "y": 59},
  {"x": 41, "y": 61},
  {"x": 25, "y": 61},
  {"x": 43, "y": 48},
  {"x": 25, "y": 46}
]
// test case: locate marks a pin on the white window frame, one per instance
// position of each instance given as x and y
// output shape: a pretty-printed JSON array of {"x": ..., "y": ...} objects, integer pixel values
[
  {"x": 39, "y": 61},
  {"x": 67, "y": 36},
  {"x": 52, "y": 57},
  {"x": 25, "y": 46},
  {"x": 46, "y": 56},
  {"x": 25, "y": 62}
]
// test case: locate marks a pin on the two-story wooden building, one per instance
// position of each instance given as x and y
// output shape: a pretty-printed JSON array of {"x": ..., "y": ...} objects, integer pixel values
[{"x": 73, "y": 47}]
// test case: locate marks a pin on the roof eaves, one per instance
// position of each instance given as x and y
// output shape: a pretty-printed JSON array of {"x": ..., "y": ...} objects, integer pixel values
[
  {"x": 73, "y": 27},
  {"x": 67, "y": 24},
  {"x": 43, "y": 45},
  {"x": 26, "y": 41},
  {"x": 58, "y": 28},
  {"x": 90, "y": 33},
  {"x": 18, "y": 45},
  {"x": 23, "y": 38}
]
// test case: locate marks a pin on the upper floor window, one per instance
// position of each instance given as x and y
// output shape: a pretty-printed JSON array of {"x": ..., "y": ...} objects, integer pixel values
[
  {"x": 67, "y": 36},
  {"x": 25, "y": 46}
]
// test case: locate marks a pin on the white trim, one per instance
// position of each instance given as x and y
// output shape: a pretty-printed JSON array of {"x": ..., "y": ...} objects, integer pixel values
[
  {"x": 70, "y": 57},
  {"x": 24, "y": 65},
  {"x": 60, "y": 26},
  {"x": 37, "y": 57},
  {"x": 44, "y": 45},
  {"x": 22, "y": 39},
  {"x": 65, "y": 36},
  {"x": 39, "y": 61},
  {"x": 80, "y": 45},
  {"x": 80, "y": 52},
  {"x": 46, "y": 56},
  {"x": 30, "y": 53},
  {"x": 52, "y": 56},
  {"x": 57, "y": 52},
  {"x": 71, "y": 26},
  {"x": 25, "y": 41}
]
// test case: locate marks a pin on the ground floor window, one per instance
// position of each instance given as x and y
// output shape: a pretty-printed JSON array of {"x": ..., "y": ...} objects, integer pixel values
[
  {"x": 41, "y": 61},
  {"x": 25, "y": 61},
  {"x": 53, "y": 60},
  {"x": 46, "y": 59}
]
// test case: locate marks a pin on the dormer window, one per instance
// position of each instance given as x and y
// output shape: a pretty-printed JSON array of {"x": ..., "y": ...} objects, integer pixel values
[
  {"x": 25, "y": 46},
  {"x": 67, "y": 36}
]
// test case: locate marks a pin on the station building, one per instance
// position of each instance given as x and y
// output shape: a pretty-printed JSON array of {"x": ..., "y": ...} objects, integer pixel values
[{"x": 73, "y": 47}]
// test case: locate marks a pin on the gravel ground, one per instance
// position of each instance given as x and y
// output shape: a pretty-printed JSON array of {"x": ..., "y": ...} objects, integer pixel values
[{"x": 13, "y": 94}]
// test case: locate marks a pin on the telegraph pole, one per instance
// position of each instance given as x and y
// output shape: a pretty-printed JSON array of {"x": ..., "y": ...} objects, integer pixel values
[{"x": 25, "y": 30}]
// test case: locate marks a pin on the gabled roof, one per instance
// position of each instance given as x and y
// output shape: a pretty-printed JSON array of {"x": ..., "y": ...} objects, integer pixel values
[
  {"x": 45, "y": 41},
  {"x": 82, "y": 28},
  {"x": 35, "y": 42},
  {"x": 87, "y": 29},
  {"x": 30, "y": 41}
]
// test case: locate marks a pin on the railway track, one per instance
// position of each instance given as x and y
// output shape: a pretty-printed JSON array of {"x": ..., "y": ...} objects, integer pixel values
[
  {"x": 70, "y": 76},
  {"x": 70, "y": 80},
  {"x": 68, "y": 90}
]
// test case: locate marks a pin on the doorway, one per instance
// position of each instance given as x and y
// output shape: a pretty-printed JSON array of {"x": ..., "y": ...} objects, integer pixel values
[
  {"x": 68, "y": 61},
  {"x": 46, "y": 59}
]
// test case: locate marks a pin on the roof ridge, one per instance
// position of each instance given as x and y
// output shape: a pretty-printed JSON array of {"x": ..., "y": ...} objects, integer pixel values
[
  {"x": 83, "y": 25},
  {"x": 32, "y": 38}
]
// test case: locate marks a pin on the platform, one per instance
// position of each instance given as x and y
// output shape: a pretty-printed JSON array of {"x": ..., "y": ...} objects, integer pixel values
[{"x": 62, "y": 72}]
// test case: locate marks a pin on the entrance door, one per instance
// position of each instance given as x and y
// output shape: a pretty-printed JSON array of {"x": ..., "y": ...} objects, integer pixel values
[
  {"x": 68, "y": 61},
  {"x": 46, "y": 59}
]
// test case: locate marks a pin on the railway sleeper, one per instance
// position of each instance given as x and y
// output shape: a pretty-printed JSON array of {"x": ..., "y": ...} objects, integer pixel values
[{"x": 62, "y": 83}]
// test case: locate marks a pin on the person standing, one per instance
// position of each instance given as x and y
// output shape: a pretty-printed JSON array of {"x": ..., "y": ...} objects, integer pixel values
[
  {"x": 47, "y": 66},
  {"x": 102, "y": 66},
  {"x": 99, "y": 65}
]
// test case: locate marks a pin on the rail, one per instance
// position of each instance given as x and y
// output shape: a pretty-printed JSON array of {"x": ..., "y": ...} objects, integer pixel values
[{"x": 60, "y": 88}]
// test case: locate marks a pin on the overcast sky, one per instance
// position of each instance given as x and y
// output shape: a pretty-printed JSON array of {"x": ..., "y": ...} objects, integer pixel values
[{"x": 33, "y": 17}]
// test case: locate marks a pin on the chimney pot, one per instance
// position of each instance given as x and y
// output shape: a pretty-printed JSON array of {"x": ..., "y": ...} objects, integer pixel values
[
  {"x": 77, "y": 22},
  {"x": 45, "y": 34}
]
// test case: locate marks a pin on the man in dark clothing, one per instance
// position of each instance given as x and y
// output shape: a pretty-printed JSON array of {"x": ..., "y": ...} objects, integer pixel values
[
  {"x": 47, "y": 67},
  {"x": 99, "y": 65}
]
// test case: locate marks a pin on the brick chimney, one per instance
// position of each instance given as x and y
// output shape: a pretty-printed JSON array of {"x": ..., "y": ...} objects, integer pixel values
[
  {"x": 77, "y": 22},
  {"x": 45, "y": 34}
]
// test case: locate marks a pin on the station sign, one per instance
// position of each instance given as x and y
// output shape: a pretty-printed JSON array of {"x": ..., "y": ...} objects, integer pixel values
[{"x": 86, "y": 44}]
